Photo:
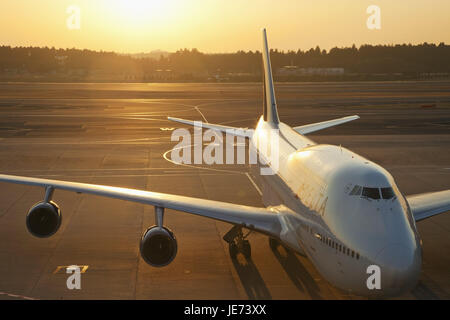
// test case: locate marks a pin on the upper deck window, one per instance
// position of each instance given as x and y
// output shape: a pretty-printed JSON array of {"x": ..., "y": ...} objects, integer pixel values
[{"x": 371, "y": 193}]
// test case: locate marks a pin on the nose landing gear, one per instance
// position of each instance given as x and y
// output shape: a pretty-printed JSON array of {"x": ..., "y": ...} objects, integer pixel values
[{"x": 237, "y": 242}]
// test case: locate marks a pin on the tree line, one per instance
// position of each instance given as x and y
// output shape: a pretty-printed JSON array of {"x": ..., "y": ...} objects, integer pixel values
[{"x": 405, "y": 58}]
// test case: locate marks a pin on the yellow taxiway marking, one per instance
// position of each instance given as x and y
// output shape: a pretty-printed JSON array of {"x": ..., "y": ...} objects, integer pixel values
[{"x": 59, "y": 268}]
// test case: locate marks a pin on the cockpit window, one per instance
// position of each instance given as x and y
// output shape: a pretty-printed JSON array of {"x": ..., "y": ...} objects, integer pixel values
[
  {"x": 356, "y": 191},
  {"x": 371, "y": 193},
  {"x": 387, "y": 193}
]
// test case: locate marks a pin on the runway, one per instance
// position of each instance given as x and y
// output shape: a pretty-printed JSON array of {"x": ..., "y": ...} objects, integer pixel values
[{"x": 118, "y": 134}]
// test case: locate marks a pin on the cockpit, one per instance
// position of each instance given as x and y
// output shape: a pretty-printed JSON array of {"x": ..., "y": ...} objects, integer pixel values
[{"x": 373, "y": 193}]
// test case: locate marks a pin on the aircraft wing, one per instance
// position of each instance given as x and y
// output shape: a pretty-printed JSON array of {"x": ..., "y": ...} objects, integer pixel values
[
  {"x": 323, "y": 125},
  {"x": 241, "y": 132},
  {"x": 265, "y": 220},
  {"x": 426, "y": 205}
]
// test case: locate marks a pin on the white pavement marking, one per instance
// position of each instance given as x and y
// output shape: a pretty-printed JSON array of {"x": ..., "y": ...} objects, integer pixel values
[
  {"x": 254, "y": 184},
  {"x": 138, "y": 175},
  {"x": 118, "y": 142},
  {"x": 94, "y": 169},
  {"x": 217, "y": 134},
  {"x": 198, "y": 110},
  {"x": 16, "y": 296}
]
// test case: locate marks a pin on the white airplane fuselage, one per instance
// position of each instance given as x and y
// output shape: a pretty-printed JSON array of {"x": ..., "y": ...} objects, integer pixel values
[{"x": 337, "y": 220}]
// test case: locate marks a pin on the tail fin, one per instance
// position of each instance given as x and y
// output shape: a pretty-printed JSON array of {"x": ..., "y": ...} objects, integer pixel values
[{"x": 270, "y": 103}]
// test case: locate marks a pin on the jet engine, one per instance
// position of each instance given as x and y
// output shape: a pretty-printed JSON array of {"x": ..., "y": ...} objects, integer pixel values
[
  {"x": 44, "y": 219},
  {"x": 158, "y": 246}
]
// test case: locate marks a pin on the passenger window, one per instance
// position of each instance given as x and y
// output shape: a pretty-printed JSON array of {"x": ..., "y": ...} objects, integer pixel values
[
  {"x": 387, "y": 193},
  {"x": 357, "y": 256},
  {"x": 371, "y": 193}
]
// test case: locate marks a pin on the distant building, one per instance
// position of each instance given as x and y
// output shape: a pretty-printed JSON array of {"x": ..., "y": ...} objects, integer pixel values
[
  {"x": 288, "y": 71},
  {"x": 77, "y": 72},
  {"x": 322, "y": 71},
  {"x": 240, "y": 74},
  {"x": 435, "y": 75},
  {"x": 296, "y": 71},
  {"x": 162, "y": 74},
  {"x": 61, "y": 60}
]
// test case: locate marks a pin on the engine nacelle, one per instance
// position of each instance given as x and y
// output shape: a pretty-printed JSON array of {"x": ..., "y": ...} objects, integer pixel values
[
  {"x": 158, "y": 246},
  {"x": 44, "y": 219}
]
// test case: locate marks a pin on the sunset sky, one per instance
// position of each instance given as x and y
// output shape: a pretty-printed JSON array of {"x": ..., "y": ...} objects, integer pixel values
[{"x": 133, "y": 26}]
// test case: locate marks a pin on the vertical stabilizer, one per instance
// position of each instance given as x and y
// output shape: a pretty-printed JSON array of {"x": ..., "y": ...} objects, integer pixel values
[{"x": 270, "y": 103}]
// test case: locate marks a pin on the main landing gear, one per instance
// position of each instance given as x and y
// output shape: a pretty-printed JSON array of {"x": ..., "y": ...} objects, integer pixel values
[{"x": 237, "y": 242}]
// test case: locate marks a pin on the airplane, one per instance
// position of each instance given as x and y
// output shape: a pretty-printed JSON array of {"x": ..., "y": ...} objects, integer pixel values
[{"x": 342, "y": 211}]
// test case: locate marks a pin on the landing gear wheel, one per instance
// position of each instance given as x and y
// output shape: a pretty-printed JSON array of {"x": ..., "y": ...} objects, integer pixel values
[
  {"x": 273, "y": 243},
  {"x": 233, "y": 249},
  {"x": 246, "y": 249},
  {"x": 237, "y": 242}
]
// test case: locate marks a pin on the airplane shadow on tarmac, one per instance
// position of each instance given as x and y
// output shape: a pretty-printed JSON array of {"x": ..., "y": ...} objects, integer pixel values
[
  {"x": 423, "y": 292},
  {"x": 251, "y": 279},
  {"x": 254, "y": 284},
  {"x": 296, "y": 271}
]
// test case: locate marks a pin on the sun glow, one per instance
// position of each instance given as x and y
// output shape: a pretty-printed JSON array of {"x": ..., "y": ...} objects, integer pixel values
[
  {"x": 142, "y": 13},
  {"x": 219, "y": 26}
]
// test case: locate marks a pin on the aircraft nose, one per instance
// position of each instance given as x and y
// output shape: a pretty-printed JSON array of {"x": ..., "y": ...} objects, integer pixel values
[{"x": 400, "y": 267}]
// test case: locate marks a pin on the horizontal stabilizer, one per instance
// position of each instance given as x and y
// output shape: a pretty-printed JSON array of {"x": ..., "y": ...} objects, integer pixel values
[
  {"x": 308, "y": 128},
  {"x": 426, "y": 205}
]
